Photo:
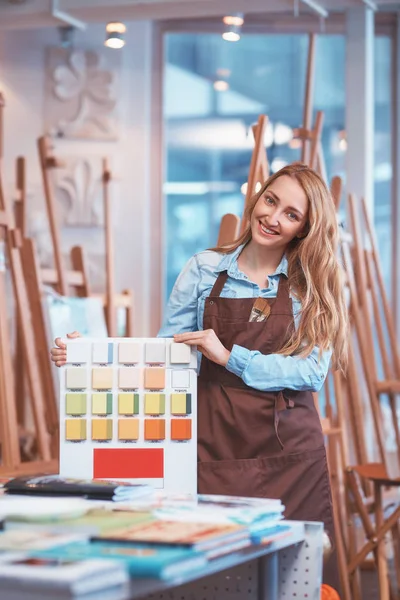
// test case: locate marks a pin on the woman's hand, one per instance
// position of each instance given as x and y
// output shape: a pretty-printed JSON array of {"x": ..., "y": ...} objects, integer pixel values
[
  {"x": 59, "y": 354},
  {"x": 208, "y": 344}
]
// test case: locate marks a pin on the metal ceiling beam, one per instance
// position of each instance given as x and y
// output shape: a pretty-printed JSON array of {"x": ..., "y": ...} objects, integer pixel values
[
  {"x": 370, "y": 4},
  {"x": 64, "y": 17},
  {"x": 316, "y": 7}
]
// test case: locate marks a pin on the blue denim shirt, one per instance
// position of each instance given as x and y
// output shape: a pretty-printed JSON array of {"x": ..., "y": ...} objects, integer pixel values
[{"x": 185, "y": 311}]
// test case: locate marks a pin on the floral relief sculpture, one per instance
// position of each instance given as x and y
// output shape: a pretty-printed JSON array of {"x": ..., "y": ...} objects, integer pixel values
[
  {"x": 78, "y": 187},
  {"x": 81, "y": 96}
]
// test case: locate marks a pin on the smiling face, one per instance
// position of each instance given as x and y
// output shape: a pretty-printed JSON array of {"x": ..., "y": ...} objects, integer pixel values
[{"x": 280, "y": 214}]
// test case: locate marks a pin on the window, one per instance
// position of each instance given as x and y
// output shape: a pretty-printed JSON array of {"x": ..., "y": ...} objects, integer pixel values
[{"x": 383, "y": 154}]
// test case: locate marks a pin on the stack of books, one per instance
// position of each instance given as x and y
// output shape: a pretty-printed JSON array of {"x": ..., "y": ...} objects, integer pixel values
[{"x": 83, "y": 549}]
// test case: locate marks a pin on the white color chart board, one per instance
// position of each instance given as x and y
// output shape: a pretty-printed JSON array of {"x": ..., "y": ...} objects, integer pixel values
[{"x": 128, "y": 411}]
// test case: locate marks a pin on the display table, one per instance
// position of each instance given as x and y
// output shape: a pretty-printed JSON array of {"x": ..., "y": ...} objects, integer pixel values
[{"x": 289, "y": 568}]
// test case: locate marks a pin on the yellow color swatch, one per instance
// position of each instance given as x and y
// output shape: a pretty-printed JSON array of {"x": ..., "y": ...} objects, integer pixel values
[
  {"x": 102, "y": 403},
  {"x": 181, "y": 404},
  {"x": 101, "y": 429},
  {"x": 154, "y": 404},
  {"x": 102, "y": 378},
  {"x": 128, "y": 403},
  {"x": 128, "y": 429},
  {"x": 75, "y": 429}
]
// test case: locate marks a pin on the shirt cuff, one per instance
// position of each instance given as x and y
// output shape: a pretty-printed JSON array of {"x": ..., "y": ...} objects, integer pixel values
[{"x": 238, "y": 360}]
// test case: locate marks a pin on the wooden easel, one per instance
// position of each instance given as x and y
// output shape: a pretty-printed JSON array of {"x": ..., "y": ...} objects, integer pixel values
[
  {"x": 77, "y": 278},
  {"x": 228, "y": 229},
  {"x": 365, "y": 476},
  {"x": 369, "y": 294},
  {"x": 9, "y": 422},
  {"x": 11, "y": 458},
  {"x": 20, "y": 223},
  {"x": 59, "y": 277},
  {"x": 259, "y": 167}
]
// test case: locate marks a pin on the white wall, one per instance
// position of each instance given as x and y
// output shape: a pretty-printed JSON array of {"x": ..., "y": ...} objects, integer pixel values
[{"x": 22, "y": 76}]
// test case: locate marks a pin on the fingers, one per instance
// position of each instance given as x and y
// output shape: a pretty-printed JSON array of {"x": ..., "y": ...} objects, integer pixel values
[
  {"x": 60, "y": 363},
  {"x": 58, "y": 342},
  {"x": 59, "y": 354},
  {"x": 191, "y": 335}
]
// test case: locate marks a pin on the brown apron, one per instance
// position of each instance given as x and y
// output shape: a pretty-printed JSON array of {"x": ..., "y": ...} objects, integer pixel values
[{"x": 254, "y": 443}]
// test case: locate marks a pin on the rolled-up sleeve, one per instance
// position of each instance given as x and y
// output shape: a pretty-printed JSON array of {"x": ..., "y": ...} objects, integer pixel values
[
  {"x": 274, "y": 372},
  {"x": 181, "y": 311}
]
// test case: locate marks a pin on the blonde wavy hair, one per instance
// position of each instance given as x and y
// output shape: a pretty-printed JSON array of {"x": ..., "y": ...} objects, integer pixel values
[{"x": 314, "y": 273}]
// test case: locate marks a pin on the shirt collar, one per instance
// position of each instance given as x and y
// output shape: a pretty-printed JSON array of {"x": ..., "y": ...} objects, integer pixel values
[{"x": 229, "y": 263}]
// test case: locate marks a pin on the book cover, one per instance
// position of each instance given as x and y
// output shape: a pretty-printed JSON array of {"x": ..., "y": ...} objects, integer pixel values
[
  {"x": 140, "y": 560},
  {"x": 61, "y": 575},
  {"x": 95, "y": 522},
  {"x": 37, "y": 509},
  {"x": 95, "y": 489},
  {"x": 212, "y": 509},
  {"x": 22, "y": 540},
  {"x": 200, "y": 536}
]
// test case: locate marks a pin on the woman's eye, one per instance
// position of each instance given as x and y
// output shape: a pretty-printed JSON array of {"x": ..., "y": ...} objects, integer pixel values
[
  {"x": 269, "y": 200},
  {"x": 292, "y": 216}
]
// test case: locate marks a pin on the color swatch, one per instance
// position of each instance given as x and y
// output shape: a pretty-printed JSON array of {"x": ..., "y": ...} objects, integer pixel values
[
  {"x": 102, "y": 429},
  {"x": 102, "y": 403},
  {"x": 155, "y": 352},
  {"x": 75, "y": 404},
  {"x": 129, "y": 353},
  {"x": 76, "y": 379},
  {"x": 154, "y": 429},
  {"x": 180, "y": 379},
  {"x": 102, "y": 353},
  {"x": 181, "y": 429},
  {"x": 128, "y": 410},
  {"x": 128, "y": 429},
  {"x": 181, "y": 404},
  {"x": 128, "y": 403},
  {"x": 130, "y": 378},
  {"x": 102, "y": 378},
  {"x": 75, "y": 429},
  {"x": 179, "y": 353},
  {"x": 154, "y": 378},
  {"x": 154, "y": 404}
]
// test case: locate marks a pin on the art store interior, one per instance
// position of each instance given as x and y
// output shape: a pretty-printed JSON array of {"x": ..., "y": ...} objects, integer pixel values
[{"x": 200, "y": 299}]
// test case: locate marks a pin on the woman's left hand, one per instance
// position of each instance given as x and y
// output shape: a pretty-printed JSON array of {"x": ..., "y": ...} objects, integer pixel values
[{"x": 207, "y": 343}]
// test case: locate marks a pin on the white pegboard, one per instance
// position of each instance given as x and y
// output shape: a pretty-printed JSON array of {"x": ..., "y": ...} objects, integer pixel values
[
  {"x": 300, "y": 566},
  {"x": 294, "y": 572},
  {"x": 239, "y": 583}
]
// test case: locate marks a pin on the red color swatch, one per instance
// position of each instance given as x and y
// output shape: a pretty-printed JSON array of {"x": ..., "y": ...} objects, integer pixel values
[{"x": 128, "y": 463}]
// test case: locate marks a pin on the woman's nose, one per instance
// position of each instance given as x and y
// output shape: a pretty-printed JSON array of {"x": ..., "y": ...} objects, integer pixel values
[{"x": 273, "y": 218}]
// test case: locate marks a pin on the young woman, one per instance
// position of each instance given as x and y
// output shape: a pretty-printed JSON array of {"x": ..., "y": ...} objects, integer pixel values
[{"x": 259, "y": 433}]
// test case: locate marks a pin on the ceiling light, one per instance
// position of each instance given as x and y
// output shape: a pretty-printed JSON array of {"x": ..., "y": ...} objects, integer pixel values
[
  {"x": 233, "y": 24},
  {"x": 115, "y": 35},
  {"x": 221, "y": 86}
]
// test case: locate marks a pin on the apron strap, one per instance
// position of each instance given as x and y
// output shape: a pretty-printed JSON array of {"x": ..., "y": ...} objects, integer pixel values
[
  {"x": 283, "y": 296},
  {"x": 219, "y": 283}
]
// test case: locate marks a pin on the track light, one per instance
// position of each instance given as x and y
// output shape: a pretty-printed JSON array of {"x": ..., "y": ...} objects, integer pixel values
[
  {"x": 115, "y": 35},
  {"x": 233, "y": 24}
]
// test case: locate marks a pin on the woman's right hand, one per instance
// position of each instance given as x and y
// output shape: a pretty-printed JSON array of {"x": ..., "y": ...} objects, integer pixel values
[{"x": 59, "y": 354}]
